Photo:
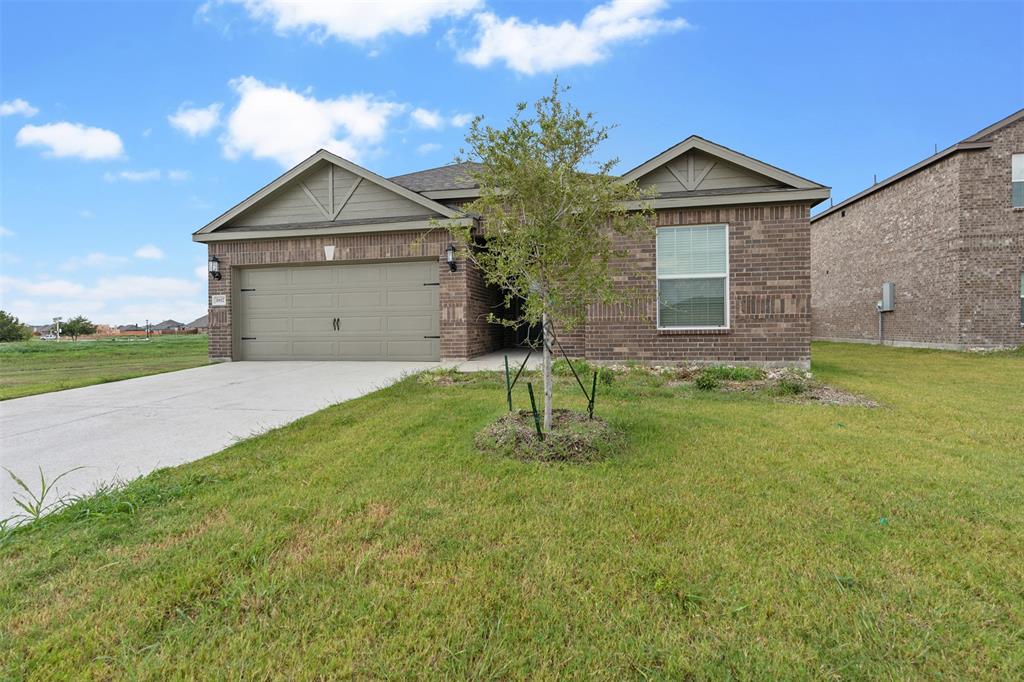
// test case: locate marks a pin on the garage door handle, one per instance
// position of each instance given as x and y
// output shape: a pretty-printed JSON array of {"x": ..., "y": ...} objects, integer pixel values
[
  {"x": 431, "y": 337},
  {"x": 248, "y": 338}
]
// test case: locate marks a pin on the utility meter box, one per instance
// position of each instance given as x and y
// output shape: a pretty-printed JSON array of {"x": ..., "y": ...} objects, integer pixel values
[{"x": 888, "y": 302}]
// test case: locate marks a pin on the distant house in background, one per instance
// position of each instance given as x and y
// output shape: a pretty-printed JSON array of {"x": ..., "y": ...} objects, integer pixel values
[
  {"x": 129, "y": 328},
  {"x": 41, "y": 329},
  {"x": 200, "y": 324},
  {"x": 947, "y": 232},
  {"x": 168, "y": 326}
]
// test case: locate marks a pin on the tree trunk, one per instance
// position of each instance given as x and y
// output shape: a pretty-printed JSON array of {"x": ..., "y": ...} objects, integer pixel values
[{"x": 548, "y": 392}]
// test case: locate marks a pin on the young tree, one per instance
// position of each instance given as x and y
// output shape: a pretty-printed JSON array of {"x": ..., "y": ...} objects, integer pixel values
[
  {"x": 77, "y": 326},
  {"x": 550, "y": 213},
  {"x": 11, "y": 328}
]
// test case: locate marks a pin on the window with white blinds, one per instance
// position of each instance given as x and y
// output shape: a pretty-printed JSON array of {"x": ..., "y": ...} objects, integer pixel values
[{"x": 693, "y": 277}]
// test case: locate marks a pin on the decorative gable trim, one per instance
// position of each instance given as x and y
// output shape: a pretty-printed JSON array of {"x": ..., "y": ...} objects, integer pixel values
[
  {"x": 334, "y": 210},
  {"x": 708, "y": 147}
]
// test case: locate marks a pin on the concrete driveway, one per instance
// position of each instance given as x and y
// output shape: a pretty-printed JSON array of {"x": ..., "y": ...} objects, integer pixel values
[{"x": 121, "y": 430}]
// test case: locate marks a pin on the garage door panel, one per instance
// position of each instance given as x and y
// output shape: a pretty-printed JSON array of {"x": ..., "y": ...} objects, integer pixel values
[
  {"x": 412, "y": 349},
  {"x": 321, "y": 324},
  {"x": 314, "y": 275},
  {"x": 361, "y": 275},
  {"x": 305, "y": 301},
  {"x": 416, "y": 298},
  {"x": 314, "y": 350},
  {"x": 410, "y": 322},
  {"x": 363, "y": 350},
  {"x": 383, "y": 312},
  {"x": 360, "y": 299},
  {"x": 267, "y": 350},
  {"x": 258, "y": 302},
  {"x": 362, "y": 323},
  {"x": 266, "y": 325},
  {"x": 265, "y": 277},
  {"x": 400, "y": 272}
]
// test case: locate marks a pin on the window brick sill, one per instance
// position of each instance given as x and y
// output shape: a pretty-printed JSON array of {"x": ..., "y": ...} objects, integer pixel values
[{"x": 694, "y": 332}]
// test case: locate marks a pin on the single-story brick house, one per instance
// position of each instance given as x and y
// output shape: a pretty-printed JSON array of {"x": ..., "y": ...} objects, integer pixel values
[
  {"x": 947, "y": 233},
  {"x": 332, "y": 261},
  {"x": 200, "y": 324}
]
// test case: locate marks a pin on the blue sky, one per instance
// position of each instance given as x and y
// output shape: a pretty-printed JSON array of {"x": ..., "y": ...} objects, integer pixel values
[{"x": 173, "y": 112}]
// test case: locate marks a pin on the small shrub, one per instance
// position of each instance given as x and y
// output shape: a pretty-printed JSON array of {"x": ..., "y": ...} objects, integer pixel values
[
  {"x": 560, "y": 368},
  {"x": 730, "y": 373},
  {"x": 791, "y": 383},
  {"x": 706, "y": 381}
]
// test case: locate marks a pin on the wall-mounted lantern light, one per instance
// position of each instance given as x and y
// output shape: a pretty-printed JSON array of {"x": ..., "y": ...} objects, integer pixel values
[
  {"x": 450, "y": 254},
  {"x": 214, "y": 267}
]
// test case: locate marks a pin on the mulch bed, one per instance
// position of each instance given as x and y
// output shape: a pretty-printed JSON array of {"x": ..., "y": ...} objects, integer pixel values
[
  {"x": 815, "y": 393},
  {"x": 574, "y": 437}
]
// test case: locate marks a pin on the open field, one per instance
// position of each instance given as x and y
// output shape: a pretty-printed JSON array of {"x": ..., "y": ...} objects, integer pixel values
[
  {"x": 734, "y": 535},
  {"x": 31, "y": 367}
]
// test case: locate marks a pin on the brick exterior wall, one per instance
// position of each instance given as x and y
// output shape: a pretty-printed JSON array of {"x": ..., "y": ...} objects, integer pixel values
[
  {"x": 991, "y": 247},
  {"x": 946, "y": 236},
  {"x": 464, "y": 329},
  {"x": 769, "y": 291},
  {"x": 769, "y": 294},
  {"x": 466, "y": 301}
]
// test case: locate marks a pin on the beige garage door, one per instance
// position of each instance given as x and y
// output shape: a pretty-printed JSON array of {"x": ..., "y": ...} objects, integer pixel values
[{"x": 380, "y": 311}]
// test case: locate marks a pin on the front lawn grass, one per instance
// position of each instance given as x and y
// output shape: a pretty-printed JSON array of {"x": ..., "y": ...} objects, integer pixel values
[
  {"x": 734, "y": 535},
  {"x": 31, "y": 367}
]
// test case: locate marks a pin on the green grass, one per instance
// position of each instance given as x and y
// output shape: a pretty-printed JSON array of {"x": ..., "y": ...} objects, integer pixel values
[
  {"x": 31, "y": 367},
  {"x": 733, "y": 536}
]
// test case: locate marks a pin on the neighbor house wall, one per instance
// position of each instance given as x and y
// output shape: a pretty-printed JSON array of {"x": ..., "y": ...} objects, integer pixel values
[
  {"x": 907, "y": 233},
  {"x": 991, "y": 247},
  {"x": 769, "y": 293},
  {"x": 464, "y": 333},
  {"x": 950, "y": 240}
]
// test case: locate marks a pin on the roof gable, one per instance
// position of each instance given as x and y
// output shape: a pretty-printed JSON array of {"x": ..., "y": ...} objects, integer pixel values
[
  {"x": 977, "y": 141},
  {"x": 326, "y": 187},
  {"x": 694, "y": 171},
  {"x": 698, "y": 164}
]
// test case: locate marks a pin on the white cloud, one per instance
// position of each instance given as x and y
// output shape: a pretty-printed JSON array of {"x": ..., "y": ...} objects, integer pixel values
[
  {"x": 96, "y": 259},
  {"x": 86, "y": 213},
  {"x": 151, "y": 175},
  {"x": 281, "y": 124},
  {"x": 108, "y": 300},
  {"x": 17, "y": 106},
  {"x": 355, "y": 22},
  {"x": 461, "y": 120},
  {"x": 425, "y": 118},
  {"x": 4, "y": 232},
  {"x": 149, "y": 252},
  {"x": 428, "y": 148},
  {"x": 72, "y": 140},
  {"x": 532, "y": 47},
  {"x": 133, "y": 176},
  {"x": 196, "y": 121},
  {"x": 201, "y": 272}
]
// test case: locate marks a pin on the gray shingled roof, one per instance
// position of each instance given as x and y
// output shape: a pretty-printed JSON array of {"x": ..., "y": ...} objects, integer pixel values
[{"x": 452, "y": 176}]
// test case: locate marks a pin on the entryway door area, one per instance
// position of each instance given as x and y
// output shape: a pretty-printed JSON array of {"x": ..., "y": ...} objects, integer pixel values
[{"x": 366, "y": 311}]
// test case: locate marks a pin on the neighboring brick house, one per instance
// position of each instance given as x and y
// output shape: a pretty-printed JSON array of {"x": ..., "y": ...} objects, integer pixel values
[
  {"x": 331, "y": 261},
  {"x": 948, "y": 232}
]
